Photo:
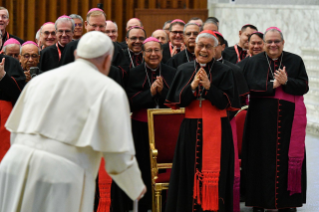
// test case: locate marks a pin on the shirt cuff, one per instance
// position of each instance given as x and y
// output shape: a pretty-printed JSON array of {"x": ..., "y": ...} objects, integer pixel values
[
  {"x": 3, "y": 76},
  {"x": 130, "y": 181}
]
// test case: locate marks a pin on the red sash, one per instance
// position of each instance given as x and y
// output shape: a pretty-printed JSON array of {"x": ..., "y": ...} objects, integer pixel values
[
  {"x": 5, "y": 110},
  {"x": 105, "y": 182},
  {"x": 207, "y": 194}
]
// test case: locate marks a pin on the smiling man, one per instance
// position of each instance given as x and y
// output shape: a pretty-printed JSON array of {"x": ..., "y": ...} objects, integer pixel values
[
  {"x": 238, "y": 52},
  {"x": 158, "y": 78},
  {"x": 29, "y": 57},
  {"x": 191, "y": 30},
  {"x": 274, "y": 137},
  {"x": 78, "y": 26},
  {"x": 160, "y": 35},
  {"x": 202, "y": 160},
  {"x": 51, "y": 56},
  {"x": 111, "y": 30},
  {"x": 175, "y": 44},
  {"x": 4, "y": 21},
  {"x": 48, "y": 35}
]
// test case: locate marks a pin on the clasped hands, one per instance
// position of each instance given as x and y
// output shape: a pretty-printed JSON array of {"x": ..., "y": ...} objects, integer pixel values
[
  {"x": 201, "y": 77},
  {"x": 280, "y": 77},
  {"x": 157, "y": 86}
]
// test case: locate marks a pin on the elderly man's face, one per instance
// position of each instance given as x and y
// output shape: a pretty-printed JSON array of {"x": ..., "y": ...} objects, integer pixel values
[
  {"x": 205, "y": 50},
  {"x": 133, "y": 22},
  {"x": 274, "y": 45},
  {"x": 29, "y": 56},
  {"x": 64, "y": 32},
  {"x": 244, "y": 35},
  {"x": 135, "y": 40},
  {"x": 78, "y": 29},
  {"x": 96, "y": 23},
  {"x": 256, "y": 45},
  {"x": 4, "y": 19},
  {"x": 176, "y": 35},
  {"x": 48, "y": 35},
  {"x": 13, "y": 50},
  {"x": 190, "y": 35},
  {"x": 111, "y": 30},
  {"x": 161, "y": 36},
  {"x": 152, "y": 54}
]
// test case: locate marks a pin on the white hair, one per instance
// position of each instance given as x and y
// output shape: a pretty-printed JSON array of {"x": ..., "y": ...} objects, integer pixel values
[
  {"x": 10, "y": 45},
  {"x": 64, "y": 20},
  {"x": 207, "y": 35},
  {"x": 37, "y": 35},
  {"x": 3, "y": 8},
  {"x": 115, "y": 25},
  {"x": 75, "y": 16}
]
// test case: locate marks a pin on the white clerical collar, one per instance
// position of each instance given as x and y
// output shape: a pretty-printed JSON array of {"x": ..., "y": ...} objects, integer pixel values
[
  {"x": 138, "y": 53},
  {"x": 274, "y": 59},
  {"x": 221, "y": 58},
  {"x": 201, "y": 64},
  {"x": 60, "y": 44},
  {"x": 152, "y": 69},
  {"x": 241, "y": 47}
]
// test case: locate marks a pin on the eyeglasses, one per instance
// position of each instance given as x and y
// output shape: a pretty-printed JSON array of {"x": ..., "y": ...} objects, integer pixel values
[
  {"x": 13, "y": 55},
  {"x": 269, "y": 42},
  {"x": 109, "y": 31},
  {"x": 67, "y": 32},
  {"x": 27, "y": 56},
  {"x": 137, "y": 38},
  {"x": 96, "y": 26},
  {"x": 79, "y": 25},
  {"x": 4, "y": 17},
  {"x": 47, "y": 33},
  {"x": 208, "y": 46},
  {"x": 149, "y": 51},
  {"x": 188, "y": 34},
  {"x": 177, "y": 32}
]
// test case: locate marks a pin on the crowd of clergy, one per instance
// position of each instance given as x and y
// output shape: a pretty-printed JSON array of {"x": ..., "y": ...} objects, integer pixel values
[{"x": 188, "y": 63}]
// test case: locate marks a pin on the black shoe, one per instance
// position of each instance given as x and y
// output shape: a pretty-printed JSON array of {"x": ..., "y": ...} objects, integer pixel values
[
  {"x": 255, "y": 209},
  {"x": 288, "y": 210}
]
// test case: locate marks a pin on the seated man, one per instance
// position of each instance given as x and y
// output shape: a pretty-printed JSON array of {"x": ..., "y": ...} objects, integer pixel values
[
  {"x": 12, "y": 48},
  {"x": 57, "y": 147},
  {"x": 29, "y": 57}
]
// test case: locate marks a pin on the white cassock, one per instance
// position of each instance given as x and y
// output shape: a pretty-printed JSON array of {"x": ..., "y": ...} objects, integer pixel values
[{"x": 63, "y": 123}]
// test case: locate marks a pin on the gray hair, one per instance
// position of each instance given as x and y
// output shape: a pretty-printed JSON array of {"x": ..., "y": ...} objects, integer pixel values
[
  {"x": 115, "y": 25},
  {"x": 29, "y": 44},
  {"x": 64, "y": 20},
  {"x": 273, "y": 30},
  {"x": 207, "y": 35},
  {"x": 37, "y": 35},
  {"x": 209, "y": 21},
  {"x": 190, "y": 24},
  {"x": 167, "y": 22},
  {"x": 75, "y": 16},
  {"x": 3, "y": 8},
  {"x": 10, "y": 45}
]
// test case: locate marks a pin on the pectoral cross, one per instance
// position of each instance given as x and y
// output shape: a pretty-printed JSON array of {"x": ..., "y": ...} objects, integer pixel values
[{"x": 200, "y": 101}]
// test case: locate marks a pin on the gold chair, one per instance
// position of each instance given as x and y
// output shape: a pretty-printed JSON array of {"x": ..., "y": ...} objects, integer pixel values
[{"x": 163, "y": 128}]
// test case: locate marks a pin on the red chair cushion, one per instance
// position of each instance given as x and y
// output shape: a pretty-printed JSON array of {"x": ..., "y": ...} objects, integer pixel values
[
  {"x": 163, "y": 177},
  {"x": 240, "y": 123}
]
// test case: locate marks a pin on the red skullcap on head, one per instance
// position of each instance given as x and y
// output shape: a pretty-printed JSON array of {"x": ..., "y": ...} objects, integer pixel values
[
  {"x": 65, "y": 16},
  {"x": 11, "y": 41},
  {"x": 151, "y": 39},
  {"x": 209, "y": 32},
  {"x": 47, "y": 23},
  {"x": 178, "y": 20},
  {"x": 30, "y": 42},
  {"x": 95, "y": 9},
  {"x": 276, "y": 28},
  {"x": 218, "y": 33}
]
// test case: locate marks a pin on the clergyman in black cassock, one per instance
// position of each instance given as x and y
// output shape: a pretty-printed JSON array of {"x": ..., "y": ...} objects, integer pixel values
[{"x": 273, "y": 161}]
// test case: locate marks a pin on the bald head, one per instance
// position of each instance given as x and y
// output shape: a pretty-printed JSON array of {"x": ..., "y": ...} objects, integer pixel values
[
  {"x": 111, "y": 30},
  {"x": 29, "y": 56},
  {"x": 48, "y": 35},
  {"x": 160, "y": 35},
  {"x": 133, "y": 22}
]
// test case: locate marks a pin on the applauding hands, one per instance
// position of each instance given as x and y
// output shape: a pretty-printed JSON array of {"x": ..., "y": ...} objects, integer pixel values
[{"x": 157, "y": 86}]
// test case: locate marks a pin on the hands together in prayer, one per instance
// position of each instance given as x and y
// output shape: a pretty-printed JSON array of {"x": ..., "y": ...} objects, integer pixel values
[
  {"x": 157, "y": 86},
  {"x": 202, "y": 78}
]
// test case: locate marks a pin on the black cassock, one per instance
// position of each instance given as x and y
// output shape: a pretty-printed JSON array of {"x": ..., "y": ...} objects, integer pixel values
[
  {"x": 6, "y": 36},
  {"x": 49, "y": 57},
  {"x": 220, "y": 94},
  {"x": 268, "y": 132},
  {"x": 132, "y": 60},
  {"x": 230, "y": 54},
  {"x": 180, "y": 58},
  {"x": 166, "y": 52},
  {"x": 140, "y": 99}
]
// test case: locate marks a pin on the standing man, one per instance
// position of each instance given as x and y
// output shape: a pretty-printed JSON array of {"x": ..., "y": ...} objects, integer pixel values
[
  {"x": 190, "y": 32},
  {"x": 133, "y": 22},
  {"x": 273, "y": 161},
  {"x": 203, "y": 170},
  {"x": 166, "y": 26},
  {"x": 78, "y": 26},
  {"x": 134, "y": 39},
  {"x": 111, "y": 30},
  {"x": 54, "y": 160},
  {"x": 12, "y": 48},
  {"x": 160, "y": 35},
  {"x": 142, "y": 96},
  {"x": 48, "y": 35},
  {"x": 175, "y": 44},
  {"x": 197, "y": 21},
  {"x": 51, "y": 56},
  {"x": 29, "y": 57},
  {"x": 12, "y": 81},
  {"x": 4, "y": 21},
  {"x": 238, "y": 52}
]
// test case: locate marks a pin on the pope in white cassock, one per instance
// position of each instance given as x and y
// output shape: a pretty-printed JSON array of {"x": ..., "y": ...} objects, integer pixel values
[{"x": 63, "y": 123}]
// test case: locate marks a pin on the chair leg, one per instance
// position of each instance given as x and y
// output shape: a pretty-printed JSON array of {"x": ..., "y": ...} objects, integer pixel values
[{"x": 158, "y": 201}]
